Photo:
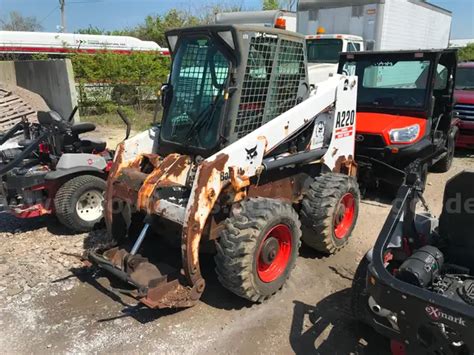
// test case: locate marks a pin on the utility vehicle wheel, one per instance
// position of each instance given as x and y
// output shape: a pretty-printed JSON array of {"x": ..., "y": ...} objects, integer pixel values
[
  {"x": 329, "y": 212},
  {"x": 79, "y": 202},
  {"x": 257, "y": 248},
  {"x": 444, "y": 164},
  {"x": 360, "y": 297}
]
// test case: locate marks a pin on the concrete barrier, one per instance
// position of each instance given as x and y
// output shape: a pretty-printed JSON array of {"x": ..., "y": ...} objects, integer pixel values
[{"x": 51, "y": 79}]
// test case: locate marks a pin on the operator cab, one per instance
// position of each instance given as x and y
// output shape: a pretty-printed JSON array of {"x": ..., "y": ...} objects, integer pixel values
[
  {"x": 204, "y": 107},
  {"x": 405, "y": 104}
]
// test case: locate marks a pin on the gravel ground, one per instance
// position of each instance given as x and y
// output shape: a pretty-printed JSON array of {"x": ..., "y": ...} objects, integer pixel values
[{"x": 45, "y": 308}]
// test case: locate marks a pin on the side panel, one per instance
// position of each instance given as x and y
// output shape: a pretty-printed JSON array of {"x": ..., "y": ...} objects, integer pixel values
[
  {"x": 342, "y": 143},
  {"x": 143, "y": 143},
  {"x": 69, "y": 161},
  {"x": 407, "y": 25},
  {"x": 356, "y": 20}
]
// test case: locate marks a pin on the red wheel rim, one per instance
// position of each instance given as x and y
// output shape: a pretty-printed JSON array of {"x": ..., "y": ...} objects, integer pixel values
[
  {"x": 274, "y": 253},
  {"x": 344, "y": 218}
]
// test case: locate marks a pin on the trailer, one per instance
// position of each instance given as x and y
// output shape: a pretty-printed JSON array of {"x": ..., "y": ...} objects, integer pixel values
[
  {"x": 384, "y": 24},
  {"x": 59, "y": 44}
]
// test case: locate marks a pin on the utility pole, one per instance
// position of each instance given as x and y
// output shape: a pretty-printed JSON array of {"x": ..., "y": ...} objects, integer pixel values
[{"x": 62, "y": 5}]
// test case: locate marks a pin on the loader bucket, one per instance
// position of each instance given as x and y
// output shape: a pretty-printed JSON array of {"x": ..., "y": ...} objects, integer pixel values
[{"x": 155, "y": 285}]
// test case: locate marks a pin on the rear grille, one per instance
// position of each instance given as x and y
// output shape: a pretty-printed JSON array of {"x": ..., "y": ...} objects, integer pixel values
[
  {"x": 370, "y": 140},
  {"x": 465, "y": 112}
]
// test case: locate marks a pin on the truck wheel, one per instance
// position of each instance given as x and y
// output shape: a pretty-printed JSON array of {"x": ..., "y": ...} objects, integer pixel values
[
  {"x": 79, "y": 202},
  {"x": 329, "y": 212},
  {"x": 360, "y": 297},
  {"x": 257, "y": 248},
  {"x": 444, "y": 164}
]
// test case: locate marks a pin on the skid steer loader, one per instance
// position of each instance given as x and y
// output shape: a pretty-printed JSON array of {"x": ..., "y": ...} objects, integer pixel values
[{"x": 247, "y": 157}]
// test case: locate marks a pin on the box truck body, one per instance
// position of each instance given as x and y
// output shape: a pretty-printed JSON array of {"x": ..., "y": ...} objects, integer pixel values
[{"x": 384, "y": 24}]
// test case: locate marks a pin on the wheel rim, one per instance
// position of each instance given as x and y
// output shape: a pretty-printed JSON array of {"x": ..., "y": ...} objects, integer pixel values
[
  {"x": 345, "y": 215},
  {"x": 274, "y": 253},
  {"x": 89, "y": 206}
]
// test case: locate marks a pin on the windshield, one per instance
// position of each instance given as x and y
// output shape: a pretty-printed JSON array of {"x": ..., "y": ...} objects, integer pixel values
[
  {"x": 391, "y": 83},
  {"x": 198, "y": 79},
  {"x": 465, "y": 79},
  {"x": 323, "y": 50}
]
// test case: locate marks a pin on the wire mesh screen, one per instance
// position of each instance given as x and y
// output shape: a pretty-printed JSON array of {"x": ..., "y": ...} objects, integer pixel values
[
  {"x": 290, "y": 71},
  {"x": 272, "y": 78},
  {"x": 256, "y": 84}
]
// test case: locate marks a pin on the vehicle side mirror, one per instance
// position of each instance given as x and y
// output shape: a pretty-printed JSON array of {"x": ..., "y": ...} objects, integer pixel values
[{"x": 166, "y": 95}]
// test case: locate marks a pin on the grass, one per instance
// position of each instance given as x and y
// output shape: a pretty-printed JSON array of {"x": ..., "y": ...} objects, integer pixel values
[{"x": 141, "y": 120}]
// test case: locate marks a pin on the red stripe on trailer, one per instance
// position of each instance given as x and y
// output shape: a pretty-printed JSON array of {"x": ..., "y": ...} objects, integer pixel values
[{"x": 51, "y": 50}]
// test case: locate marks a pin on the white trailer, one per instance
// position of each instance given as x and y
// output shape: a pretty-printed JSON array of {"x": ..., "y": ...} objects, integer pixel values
[
  {"x": 384, "y": 24},
  {"x": 20, "y": 42}
]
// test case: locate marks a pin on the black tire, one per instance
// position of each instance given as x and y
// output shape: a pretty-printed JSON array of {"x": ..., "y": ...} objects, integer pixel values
[
  {"x": 67, "y": 197},
  {"x": 445, "y": 164},
  {"x": 359, "y": 296},
  {"x": 240, "y": 258},
  {"x": 321, "y": 212}
]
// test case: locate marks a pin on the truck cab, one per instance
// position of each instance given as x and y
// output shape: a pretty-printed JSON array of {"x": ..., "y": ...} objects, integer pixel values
[
  {"x": 464, "y": 97},
  {"x": 323, "y": 53}
]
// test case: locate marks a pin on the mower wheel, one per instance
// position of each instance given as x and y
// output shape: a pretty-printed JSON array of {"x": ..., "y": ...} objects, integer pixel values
[
  {"x": 257, "y": 248},
  {"x": 78, "y": 202},
  {"x": 444, "y": 164},
  {"x": 360, "y": 297},
  {"x": 329, "y": 212}
]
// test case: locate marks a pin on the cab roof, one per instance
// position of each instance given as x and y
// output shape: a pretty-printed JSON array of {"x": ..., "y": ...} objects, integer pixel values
[{"x": 236, "y": 28}]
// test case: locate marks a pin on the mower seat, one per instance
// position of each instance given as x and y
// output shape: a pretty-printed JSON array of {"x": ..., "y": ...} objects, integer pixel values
[
  {"x": 83, "y": 127},
  {"x": 91, "y": 146},
  {"x": 456, "y": 223}
]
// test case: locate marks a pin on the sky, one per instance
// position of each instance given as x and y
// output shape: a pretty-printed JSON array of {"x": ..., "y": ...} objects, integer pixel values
[{"x": 118, "y": 14}]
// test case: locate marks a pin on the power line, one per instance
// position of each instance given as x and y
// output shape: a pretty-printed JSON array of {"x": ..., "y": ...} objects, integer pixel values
[{"x": 49, "y": 14}]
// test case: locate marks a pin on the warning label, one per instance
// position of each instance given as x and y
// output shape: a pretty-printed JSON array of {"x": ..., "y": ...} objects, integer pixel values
[{"x": 344, "y": 132}]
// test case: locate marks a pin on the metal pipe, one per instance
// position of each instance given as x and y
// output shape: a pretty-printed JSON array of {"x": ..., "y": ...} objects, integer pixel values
[
  {"x": 294, "y": 159},
  {"x": 139, "y": 241}
]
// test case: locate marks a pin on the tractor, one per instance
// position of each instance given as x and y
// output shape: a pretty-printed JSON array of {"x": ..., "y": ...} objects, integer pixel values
[{"x": 248, "y": 157}]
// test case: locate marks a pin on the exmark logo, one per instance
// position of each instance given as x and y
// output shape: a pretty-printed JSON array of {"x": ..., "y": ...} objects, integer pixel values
[{"x": 436, "y": 314}]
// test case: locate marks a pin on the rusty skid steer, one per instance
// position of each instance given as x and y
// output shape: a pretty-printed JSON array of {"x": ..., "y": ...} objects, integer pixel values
[{"x": 248, "y": 156}]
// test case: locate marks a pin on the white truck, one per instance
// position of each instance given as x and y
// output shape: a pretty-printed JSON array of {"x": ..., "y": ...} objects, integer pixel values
[
  {"x": 372, "y": 25},
  {"x": 269, "y": 18}
]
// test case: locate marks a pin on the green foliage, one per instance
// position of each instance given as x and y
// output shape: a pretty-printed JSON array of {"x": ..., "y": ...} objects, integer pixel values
[
  {"x": 106, "y": 76},
  {"x": 467, "y": 53},
  {"x": 155, "y": 26},
  {"x": 271, "y": 4}
]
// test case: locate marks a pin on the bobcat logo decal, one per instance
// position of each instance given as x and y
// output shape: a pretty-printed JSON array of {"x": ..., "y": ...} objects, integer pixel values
[{"x": 251, "y": 153}]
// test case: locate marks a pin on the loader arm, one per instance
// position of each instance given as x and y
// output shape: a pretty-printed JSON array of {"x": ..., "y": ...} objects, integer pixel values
[{"x": 240, "y": 161}]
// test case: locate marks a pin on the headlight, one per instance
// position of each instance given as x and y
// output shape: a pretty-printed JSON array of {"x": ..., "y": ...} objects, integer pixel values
[{"x": 405, "y": 135}]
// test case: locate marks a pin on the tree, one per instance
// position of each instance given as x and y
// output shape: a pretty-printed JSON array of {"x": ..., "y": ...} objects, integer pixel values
[
  {"x": 271, "y": 4},
  {"x": 467, "y": 53},
  {"x": 16, "y": 22}
]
